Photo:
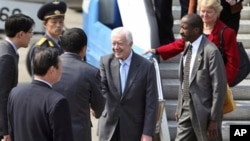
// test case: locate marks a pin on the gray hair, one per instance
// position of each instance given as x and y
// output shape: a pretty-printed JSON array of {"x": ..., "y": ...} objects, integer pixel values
[
  {"x": 125, "y": 32},
  {"x": 215, "y": 4}
]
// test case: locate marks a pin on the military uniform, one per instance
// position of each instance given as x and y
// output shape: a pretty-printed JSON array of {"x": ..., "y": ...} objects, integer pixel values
[
  {"x": 48, "y": 10},
  {"x": 45, "y": 41}
]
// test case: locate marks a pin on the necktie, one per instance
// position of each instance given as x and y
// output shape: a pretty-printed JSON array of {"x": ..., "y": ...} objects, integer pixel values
[
  {"x": 123, "y": 75},
  {"x": 186, "y": 72},
  {"x": 60, "y": 47},
  {"x": 17, "y": 57},
  {"x": 59, "y": 43}
]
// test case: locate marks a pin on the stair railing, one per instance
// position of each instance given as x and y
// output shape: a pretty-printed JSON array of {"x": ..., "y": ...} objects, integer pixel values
[{"x": 161, "y": 130}]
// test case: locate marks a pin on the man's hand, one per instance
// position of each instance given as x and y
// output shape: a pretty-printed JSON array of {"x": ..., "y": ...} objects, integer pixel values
[
  {"x": 92, "y": 112},
  {"x": 212, "y": 131},
  {"x": 6, "y": 138},
  {"x": 146, "y": 138},
  {"x": 176, "y": 116},
  {"x": 153, "y": 51},
  {"x": 231, "y": 2}
]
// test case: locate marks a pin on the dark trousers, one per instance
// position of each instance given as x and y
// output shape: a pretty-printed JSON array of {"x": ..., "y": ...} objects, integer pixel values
[
  {"x": 184, "y": 7},
  {"x": 230, "y": 19},
  {"x": 164, "y": 17}
]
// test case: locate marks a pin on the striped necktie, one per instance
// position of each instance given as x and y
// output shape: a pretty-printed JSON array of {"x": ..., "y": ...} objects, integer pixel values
[{"x": 186, "y": 72}]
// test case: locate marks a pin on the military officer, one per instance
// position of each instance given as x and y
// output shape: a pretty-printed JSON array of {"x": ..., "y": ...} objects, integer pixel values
[{"x": 52, "y": 14}]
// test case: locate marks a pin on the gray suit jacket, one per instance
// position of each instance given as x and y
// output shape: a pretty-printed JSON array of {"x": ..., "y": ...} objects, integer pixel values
[
  {"x": 80, "y": 83},
  {"x": 8, "y": 80},
  {"x": 207, "y": 86},
  {"x": 136, "y": 108}
]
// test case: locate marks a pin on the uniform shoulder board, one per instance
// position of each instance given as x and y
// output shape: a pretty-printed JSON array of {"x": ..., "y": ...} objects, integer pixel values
[
  {"x": 43, "y": 40},
  {"x": 51, "y": 44}
]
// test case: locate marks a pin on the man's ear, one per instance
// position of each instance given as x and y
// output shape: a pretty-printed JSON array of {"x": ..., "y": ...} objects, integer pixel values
[
  {"x": 197, "y": 30},
  {"x": 44, "y": 23},
  {"x": 84, "y": 49},
  {"x": 19, "y": 34},
  {"x": 51, "y": 69},
  {"x": 131, "y": 43},
  {"x": 82, "y": 53}
]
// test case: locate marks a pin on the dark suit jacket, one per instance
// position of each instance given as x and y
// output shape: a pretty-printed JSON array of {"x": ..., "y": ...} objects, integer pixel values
[
  {"x": 136, "y": 108},
  {"x": 38, "y": 113},
  {"x": 80, "y": 83},
  {"x": 8, "y": 80},
  {"x": 207, "y": 88}
]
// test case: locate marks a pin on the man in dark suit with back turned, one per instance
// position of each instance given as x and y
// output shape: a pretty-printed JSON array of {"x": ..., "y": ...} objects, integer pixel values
[
  {"x": 130, "y": 88},
  {"x": 18, "y": 30},
  {"x": 37, "y": 112},
  {"x": 80, "y": 83},
  {"x": 203, "y": 85}
]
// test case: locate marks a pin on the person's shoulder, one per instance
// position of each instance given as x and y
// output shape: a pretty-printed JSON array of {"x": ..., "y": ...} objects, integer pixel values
[
  {"x": 5, "y": 48},
  {"x": 208, "y": 43},
  {"x": 90, "y": 67},
  {"x": 209, "y": 47},
  {"x": 20, "y": 89},
  {"x": 7, "y": 58},
  {"x": 3, "y": 43},
  {"x": 55, "y": 100},
  {"x": 220, "y": 25},
  {"x": 229, "y": 32},
  {"x": 111, "y": 55},
  {"x": 107, "y": 57},
  {"x": 140, "y": 58},
  {"x": 54, "y": 96},
  {"x": 45, "y": 41}
]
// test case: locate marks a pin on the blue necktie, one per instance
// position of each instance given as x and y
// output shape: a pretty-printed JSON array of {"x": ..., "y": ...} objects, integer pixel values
[{"x": 123, "y": 75}]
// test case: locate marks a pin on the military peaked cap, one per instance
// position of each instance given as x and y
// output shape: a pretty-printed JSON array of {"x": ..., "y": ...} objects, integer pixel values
[{"x": 52, "y": 9}]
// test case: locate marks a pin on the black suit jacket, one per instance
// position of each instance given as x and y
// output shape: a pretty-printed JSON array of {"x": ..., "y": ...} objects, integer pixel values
[
  {"x": 8, "y": 80},
  {"x": 38, "y": 113},
  {"x": 80, "y": 84}
]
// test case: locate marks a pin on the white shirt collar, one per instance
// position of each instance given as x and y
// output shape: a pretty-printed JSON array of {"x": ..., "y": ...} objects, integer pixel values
[
  {"x": 128, "y": 60},
  {"x": 195, "y": 47},
  {"x": 52, "y": 38},
  {"x": 43, "y": 81},
  {"x": 196, "y": 43}
]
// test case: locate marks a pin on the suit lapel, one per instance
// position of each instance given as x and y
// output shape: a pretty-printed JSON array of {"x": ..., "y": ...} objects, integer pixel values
[
  {"x": 115, "y": 73},
  {"x": 133, "y": 70},
  {"x": 181, "y": 69},
  {"x": 181, "y": 64},
  {"x": 198, "y": 59},
  {"x": 11, "y": 50}
]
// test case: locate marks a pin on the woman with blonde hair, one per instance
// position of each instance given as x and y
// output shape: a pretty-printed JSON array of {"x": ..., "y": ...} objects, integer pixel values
[{"x": 209, "y": 10}]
